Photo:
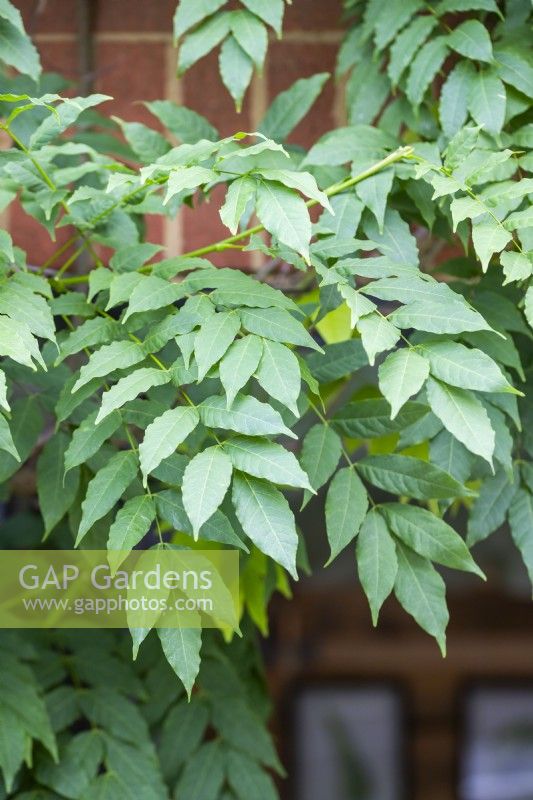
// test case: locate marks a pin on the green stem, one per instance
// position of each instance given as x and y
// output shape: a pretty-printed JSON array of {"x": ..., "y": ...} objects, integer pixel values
[
  {"x": 230, "y": 241},
  {"x": 57, "y": 253},
  {"x": 51, "y": 185},
  {"x": 336, "y": 188}
]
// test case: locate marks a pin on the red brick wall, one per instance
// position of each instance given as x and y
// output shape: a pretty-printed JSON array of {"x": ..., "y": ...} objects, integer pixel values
[{"x": 134, "y": 59}]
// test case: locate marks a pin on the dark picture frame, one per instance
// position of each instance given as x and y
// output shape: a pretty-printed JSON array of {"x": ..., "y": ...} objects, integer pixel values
[
  {"x": 495, "y": 757},
  {"x": 348, "y": 740}
]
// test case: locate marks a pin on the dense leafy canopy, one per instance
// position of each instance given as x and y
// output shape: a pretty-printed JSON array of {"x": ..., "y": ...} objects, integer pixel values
[{"x": 198, "y": 403}]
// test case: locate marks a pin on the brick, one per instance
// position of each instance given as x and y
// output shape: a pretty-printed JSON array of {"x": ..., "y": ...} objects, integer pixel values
[
  {"x": 313, "y": 15},
  {"x": 290, "y": 61},
  {"x": 204, "y": 92},
  {"x": 203, "y": 226},
  {"x": 33, "y": 238},
  {"x": 130, "y": 73},
  {"x": 149, "y": 16},
  {"x": 50, "y": 16},
  {"x": 60, "y": 57}
]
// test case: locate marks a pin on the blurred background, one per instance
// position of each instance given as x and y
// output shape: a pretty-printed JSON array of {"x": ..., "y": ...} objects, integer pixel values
[{"x": 361, "y": 714}]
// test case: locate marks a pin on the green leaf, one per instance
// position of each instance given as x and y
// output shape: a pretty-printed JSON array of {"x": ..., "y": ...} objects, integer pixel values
[
  {"x": 236, "y": 69},
  {"x": 406, "y": 45},
  {"x": 304, "y": 182},
  {"x": 3, "y": 392},
  {"x": 271, "y": 12},
  {"x": 56, "y": 492},
  {"x": 488, "y": 238},
  {"x": 424, "y": 67},
  {"x": 151, "y": 293},
  {"x": 163, "y": 435},
  {"x": 216, "y": 529},
  {"x": 6, "y": 440},
  {"x": 455, "y": 94},
  {"x": 13, "y": 15},
  {"x": 202, "y": 40},
  {"x": 521, "y": 524},
  {"x": 129, "y": 259},
  {"x": 451, "y": 6},
  {"x": 265, "y": 459},
  {"x": 392, "y": 19},
  {"x": 402, "y": 375},
  {"x": 346, "y": 507},
  {"x": 488, "y": 101},
  {"x": 109, "y": 786},
  {"x": 528, "y": 306},
  {"x": 205, "y": 482},
  {"x": 358, "y": 304},
  {"x": 107, "y": 359},
  {"x": 248, "y": 779},
  {"x": 465, "y": 367},
  {"x": 461, "y": 146},
  {"x": 147, "y": 144},
  {"x": 267, "y": 520},
  {"x": 278, "y": 325},
  {"x": 66, "y": 114},
  {"x": 181, "y": 647},
  {"x": 471, "y": 39},
  {"x": 17, "y": 50},
  {"x": 367, "y": 90},
  {"x": 344, "y": 220},
  {"x": 429, "y": 536},
  {"x": 320, "y": 455},
  {"x": 251, "y": 35},
  {"x": 291, "y": 106},
  {"x": 78, "y": 765},
  {"x": 490, "y": 508},
  {"x": 234, "y": 288},
  {"x": 284, "y": 214},
  {"x": 421, "y": 591},
  {"x": 91, "y": 333},
  {"x": 106, "y": 488},
  {"x": 190, "y": 12},
  {"x": 239, "y": 364},
  {"x": 438, "y": 317},
  {"x": 247, "y": 415},
  {"x": 464, "y": 416},
  {"x": 26, "y": 424},
  {"x": 451, "y": 456},
  {"x": 370, "y": 418},
  {"x": 130, "y": 387},
  {"x": 88, "y": 438},
  {"x": 279, "y": 374},
  {"x": 337, "y": 360},
  {"x": 185, "y": 343},
  {"x": 189, "y": 126},
  {"x": 405, "y": 475},
  {"x": 374, "y": 191},
  {"x": 183, "y": 178},
  {"x": 501, "y": 350},
  {"x": 13, "y": 744},
  {"x": 131, "y": 524},
  {"x": 515, "y": 69},
  {"x": 215, "y": 336},
  {"x": 377, "y": 563},
  {"x": 520, "y": 219},
  {"x": 182, "y": 732},
  {"x": 377, "y": 335},
  {"x": 465, "y": 208},
  {"x": 203, "y": 775},
  {"x": 240, "y": 193},
  {"x": 396, "y": 239},
  {"x": 352, "y": 143}
]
